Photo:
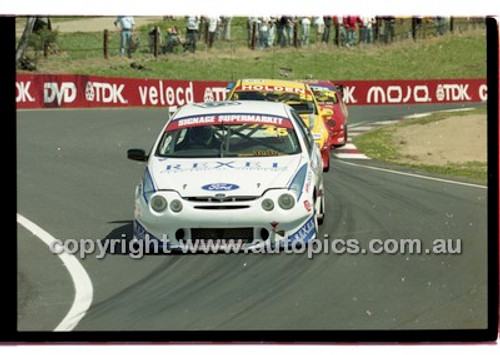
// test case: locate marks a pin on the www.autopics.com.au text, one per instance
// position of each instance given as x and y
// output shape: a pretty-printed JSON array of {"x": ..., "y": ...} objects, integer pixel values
[{"x": 138, "y": 248}]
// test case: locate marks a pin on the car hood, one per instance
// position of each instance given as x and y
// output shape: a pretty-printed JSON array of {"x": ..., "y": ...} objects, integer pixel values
[{"x": 230, "y": 176}]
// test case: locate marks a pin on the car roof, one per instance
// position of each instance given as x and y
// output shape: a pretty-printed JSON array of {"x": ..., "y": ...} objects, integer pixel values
[
  {"x": 321, "y": 83},
  {"x": 273, "y": 82},
  {"x": 237, "y": 106}
]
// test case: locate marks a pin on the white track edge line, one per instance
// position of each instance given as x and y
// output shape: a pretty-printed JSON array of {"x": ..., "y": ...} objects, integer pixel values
[
  {"x": 81, "y": 280},
  {"x": 414, "y": 175}
]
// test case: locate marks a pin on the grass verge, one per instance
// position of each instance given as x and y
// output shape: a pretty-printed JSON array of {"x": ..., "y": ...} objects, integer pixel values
[
  {"x": 380, "y": 144},
  {"x": 459, "y": 55}
]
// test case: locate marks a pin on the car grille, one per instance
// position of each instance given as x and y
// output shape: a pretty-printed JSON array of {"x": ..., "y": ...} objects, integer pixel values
[
  {"x": 240, "y": 234},
  {"x": 221, "y": 207},
  {"x": 221, "y": 199}
]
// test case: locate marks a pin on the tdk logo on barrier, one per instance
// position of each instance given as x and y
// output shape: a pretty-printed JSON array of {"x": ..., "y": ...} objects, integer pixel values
[
  {"x": 23, "y": 92},
  {"x": 221, "y": 186},
  {"x": 104, "y": 92}
]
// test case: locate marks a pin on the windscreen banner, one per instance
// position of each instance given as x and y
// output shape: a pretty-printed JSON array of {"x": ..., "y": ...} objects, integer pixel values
[{"x": 83, "y": 91}]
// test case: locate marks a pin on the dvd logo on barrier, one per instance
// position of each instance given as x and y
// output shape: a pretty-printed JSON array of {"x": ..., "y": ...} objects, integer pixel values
[
  {"x": 104, "y": 92},
  {"x": 62, "y": 93}
]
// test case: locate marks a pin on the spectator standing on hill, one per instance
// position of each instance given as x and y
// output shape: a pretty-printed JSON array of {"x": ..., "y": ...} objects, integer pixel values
[
  {"x": 305, "y": 27},
  {"x": 226, "y": 27},
  {"x": 328, "y": 23},
  {"x": 282, "y": 34},
  {"x": 272, "y": 31},
  {"x": 351, "y": 24},
  {"x": 290, "y": 27},
  {"x": 126, "y": 28},
  {"x": 319, "y": 27},
  {"x": 367, "y": 29},
  {"x": 441, "y": 24},
  {"x": 389, "y": 25},
  {"x": 340, "y": 30},
  {"x": 212, "y": 28},
  {"x": 192, "y": 32},
  {"x": 264, "y": 32}
]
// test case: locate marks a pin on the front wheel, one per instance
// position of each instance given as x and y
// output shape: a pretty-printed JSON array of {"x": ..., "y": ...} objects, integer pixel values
[{"x": 320, "y": 208}]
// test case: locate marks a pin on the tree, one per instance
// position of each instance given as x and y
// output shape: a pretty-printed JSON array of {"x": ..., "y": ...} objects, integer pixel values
[{"x": 23, "y": 42}]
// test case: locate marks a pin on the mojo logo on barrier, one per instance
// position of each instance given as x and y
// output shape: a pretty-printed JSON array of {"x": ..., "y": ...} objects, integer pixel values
[
  {"x": 394, "y": 94},
  {"x": 64, "y": 92},
  {"x": 104, "y": 92}
]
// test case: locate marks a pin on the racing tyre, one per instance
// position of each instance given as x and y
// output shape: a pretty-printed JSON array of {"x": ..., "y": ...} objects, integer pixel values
[{"x": 320, "y": 216}]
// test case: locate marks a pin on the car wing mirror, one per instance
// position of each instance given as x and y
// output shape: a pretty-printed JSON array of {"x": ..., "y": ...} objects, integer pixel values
[{"x": 137, "y": 154}]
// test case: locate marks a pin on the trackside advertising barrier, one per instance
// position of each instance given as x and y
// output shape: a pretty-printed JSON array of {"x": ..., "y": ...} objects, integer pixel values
[{"x": 82, "y": 91}]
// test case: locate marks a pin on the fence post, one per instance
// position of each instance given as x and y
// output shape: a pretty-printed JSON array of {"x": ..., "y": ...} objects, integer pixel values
[
  {"x": 451, "y": 24},
  {"x": 156, "y": 41},
  {"x": 379, "y": 22},
  {"x": 105, "y": 44},
  {"x": 414, "y": 28},
  {"x": 45, "y": 48},
  {"x": 205, "y": 32},
  {"x": 296, "y": 34},
  {"x": 337, "y": 34},
  {"x": 254, "y": 34}
]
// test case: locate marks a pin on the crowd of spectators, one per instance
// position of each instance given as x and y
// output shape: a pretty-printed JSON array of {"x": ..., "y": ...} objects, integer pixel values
[{"x": 291, "y": 31}]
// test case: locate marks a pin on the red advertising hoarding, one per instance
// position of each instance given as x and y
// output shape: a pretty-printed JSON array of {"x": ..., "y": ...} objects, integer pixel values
[{"x": 83, "y": 91}]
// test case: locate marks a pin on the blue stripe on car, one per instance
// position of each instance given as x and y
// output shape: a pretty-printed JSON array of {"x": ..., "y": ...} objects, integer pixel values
[
  {"x": 299, "y": 179},
  {"x": 148, "y": 184}
]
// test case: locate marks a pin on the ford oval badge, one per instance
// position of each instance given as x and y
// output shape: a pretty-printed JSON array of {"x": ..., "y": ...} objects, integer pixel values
[{"x": 220, "y": 186}]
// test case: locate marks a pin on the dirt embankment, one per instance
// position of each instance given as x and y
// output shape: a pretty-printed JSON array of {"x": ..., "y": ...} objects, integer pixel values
[
  {"x": 88, "y": 24},
  {"x": 457, "y": 139}
]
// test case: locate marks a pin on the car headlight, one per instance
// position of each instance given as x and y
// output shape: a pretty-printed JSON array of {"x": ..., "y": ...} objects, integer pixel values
[
  {"x": 267, "y": 204},
  {"x": 286, "y": 201},
  {"x": 158, "y": 203},
  {"x": 176, "y": 206}
]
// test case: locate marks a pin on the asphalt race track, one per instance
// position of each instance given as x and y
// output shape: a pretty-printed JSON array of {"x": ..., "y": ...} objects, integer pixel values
[{"x": 74, "y": 181}]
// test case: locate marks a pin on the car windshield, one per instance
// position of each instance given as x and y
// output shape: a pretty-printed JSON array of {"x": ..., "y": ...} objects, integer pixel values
[
  {"x": 228, "y": 139},
  {"x": 325, "y": 95},
  {"x": 302, "y": 103}
]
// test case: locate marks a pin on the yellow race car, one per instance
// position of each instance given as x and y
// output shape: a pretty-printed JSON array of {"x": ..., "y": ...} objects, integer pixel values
[{"x": 296, "y": 94}]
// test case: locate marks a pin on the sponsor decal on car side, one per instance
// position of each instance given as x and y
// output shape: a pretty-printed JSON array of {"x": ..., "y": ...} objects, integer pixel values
[{"x": 305, "y": 232}]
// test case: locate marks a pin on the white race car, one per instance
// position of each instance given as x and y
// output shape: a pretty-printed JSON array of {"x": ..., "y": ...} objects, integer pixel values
[{"x": 245, "y": 171}]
